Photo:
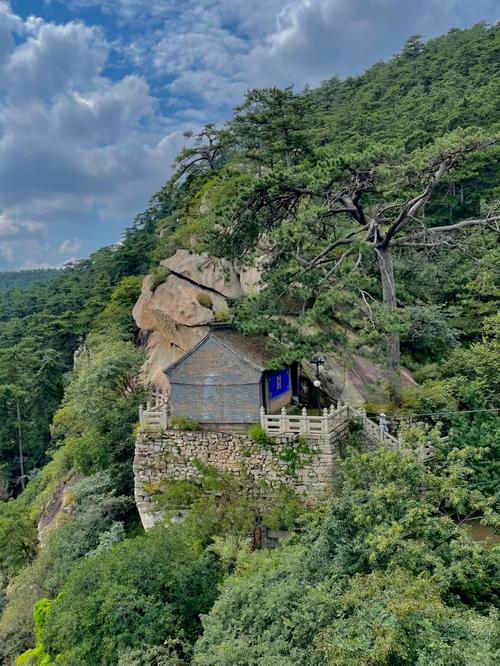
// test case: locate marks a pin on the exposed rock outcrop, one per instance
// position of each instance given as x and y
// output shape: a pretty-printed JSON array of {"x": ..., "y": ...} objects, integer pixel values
[
  {"x": 59, "y": 504},
  {"x": 176, "y": 314},
  {"x": 218, "y": 275},
  {"x": 355, "y": 380}
]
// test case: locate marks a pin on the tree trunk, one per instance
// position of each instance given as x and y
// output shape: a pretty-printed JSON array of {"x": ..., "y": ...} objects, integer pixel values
[
  {"x": 287, "y": 151},
  {"x": 20, "y": 443},
  {"x": 386, "y": 268}
]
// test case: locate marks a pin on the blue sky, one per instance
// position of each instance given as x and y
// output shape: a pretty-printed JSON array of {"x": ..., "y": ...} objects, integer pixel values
[{"x": 95, "y": 94}]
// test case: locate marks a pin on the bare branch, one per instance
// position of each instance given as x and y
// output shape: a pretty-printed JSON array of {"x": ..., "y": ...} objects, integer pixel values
[
  {"x": 441, "y": 165},
  {"x": 357, "y": 263},
  {"x": 413, "y": 206},
  {"x": 354, "y": 207},
  {"x": 347, "y": 240},
  {"x": 336, "y": 265},
  {"x": 465, "y": 223},
  {"x": 424, "y": 237},
  {"x": 367, "y": 305}
]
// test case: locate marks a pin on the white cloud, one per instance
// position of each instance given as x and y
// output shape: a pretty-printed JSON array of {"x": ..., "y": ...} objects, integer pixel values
[
  {"x": 80, "y": 143},
  {"x": 10, "y": 24},
  {"x": 74, "y": 144},
  {"x": 53, "y": 59},
  {"x": 316, "y": 39},
  {"x": 70, "y": 246},
  {"x": 213, "y": 50},
  {"x": 11, "y": 228}
]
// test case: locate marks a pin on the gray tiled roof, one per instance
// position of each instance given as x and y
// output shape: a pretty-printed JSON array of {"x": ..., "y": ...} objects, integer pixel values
[
  {"x": 251, "y": 349},
  {"x": 248, "y": 348}
]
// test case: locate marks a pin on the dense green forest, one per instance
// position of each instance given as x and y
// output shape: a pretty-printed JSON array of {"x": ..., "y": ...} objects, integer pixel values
[
  {"x": 22, "y": 279},
  {"x": 372, "y": 205}
]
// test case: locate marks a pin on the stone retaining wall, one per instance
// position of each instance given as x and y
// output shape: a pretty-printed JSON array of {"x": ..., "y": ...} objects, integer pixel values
[{"x": 170, "y": 455}]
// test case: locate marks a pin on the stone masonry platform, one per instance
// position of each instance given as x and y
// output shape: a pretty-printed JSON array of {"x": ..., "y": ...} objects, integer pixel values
[{"x": 170, "y": 454}]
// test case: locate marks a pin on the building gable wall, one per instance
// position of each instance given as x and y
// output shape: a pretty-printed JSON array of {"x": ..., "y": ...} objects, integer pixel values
[{"x": 213, "y": 385}]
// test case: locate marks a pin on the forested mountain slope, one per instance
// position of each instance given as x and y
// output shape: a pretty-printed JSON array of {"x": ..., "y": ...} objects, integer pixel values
[
  {"x": 371, "y": 207},
  {"x": 21, "y": 279}
]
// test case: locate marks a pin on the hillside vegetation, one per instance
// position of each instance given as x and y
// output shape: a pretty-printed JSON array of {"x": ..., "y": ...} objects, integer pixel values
[
  {"x": 371, "y": 205},
  {"x": 22, "y": 279}
]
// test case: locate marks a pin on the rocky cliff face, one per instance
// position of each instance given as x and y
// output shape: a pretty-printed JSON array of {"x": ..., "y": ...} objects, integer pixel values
[
  {"x": 177, "y": 313},
  {"x": 59, "y": 504},
  {"x": 175, "y": 316}
]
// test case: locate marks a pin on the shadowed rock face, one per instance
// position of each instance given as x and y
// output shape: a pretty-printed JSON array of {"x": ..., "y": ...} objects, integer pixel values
[
  {"x": 354, "y": 381},
  {"x": 60, "y": 503}
]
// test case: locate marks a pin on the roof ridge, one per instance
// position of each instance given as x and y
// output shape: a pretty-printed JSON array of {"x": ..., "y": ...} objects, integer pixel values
[{"x": 236, "y": 352}]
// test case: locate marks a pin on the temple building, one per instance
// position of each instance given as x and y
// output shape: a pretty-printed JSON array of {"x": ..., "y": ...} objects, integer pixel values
[{"x": 223, "y": 380}]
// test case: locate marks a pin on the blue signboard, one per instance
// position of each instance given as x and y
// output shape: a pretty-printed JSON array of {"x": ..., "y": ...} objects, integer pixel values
[{"x": 279, "y": 383}]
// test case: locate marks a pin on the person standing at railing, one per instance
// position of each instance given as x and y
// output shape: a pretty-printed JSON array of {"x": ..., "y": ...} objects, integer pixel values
[{"x": 382, "y": 422}]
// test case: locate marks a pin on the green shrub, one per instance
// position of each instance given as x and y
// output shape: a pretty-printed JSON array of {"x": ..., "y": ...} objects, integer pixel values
[
  {"x": 295, "y": 455},
  {"x": 222, "y": 315},
  {"x": 381, "y": 576},
  {"x": 205, "y": 300},
  {"x": 158, "y": 276},
  {"x": 181, "y": 423},
  {"x": 257, "y": 434},
  {"x": 137, "y": 594}
]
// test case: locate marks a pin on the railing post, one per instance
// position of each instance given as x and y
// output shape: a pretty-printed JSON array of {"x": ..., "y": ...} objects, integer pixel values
[
  {"x": 303, "y": 421},
  {"x": 362, "y": 413},
  {"x": 343, "y": 412},
  {"x": 324, "y": 422},
  {"x": 283, "y": 420},
  {"x": 331, "y": 417},
  {"x": 400, "y": 441},
  {"x": 263, "y": 418},
  {"x": 163, "y": 418},
  {"x": 141, "y": 416}
]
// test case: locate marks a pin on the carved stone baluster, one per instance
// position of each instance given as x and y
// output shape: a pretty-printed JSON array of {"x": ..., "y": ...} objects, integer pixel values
[
  {"x": 324, "y": 422},
  {"x": 303, "y": 422},
  {"x": 283, "y": 420}
]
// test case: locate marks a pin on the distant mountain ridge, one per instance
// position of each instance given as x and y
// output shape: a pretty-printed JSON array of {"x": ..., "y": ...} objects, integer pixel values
[{"x": 22, "y": 279}]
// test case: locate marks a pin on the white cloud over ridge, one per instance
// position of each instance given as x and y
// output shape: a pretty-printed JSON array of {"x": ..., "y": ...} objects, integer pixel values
[
  {"x": 92, "y": 114},
  {"x": 74, "y": 144}
]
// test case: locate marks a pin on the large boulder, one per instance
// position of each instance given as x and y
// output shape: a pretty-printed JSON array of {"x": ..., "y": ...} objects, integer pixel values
[
  {"x": 186, "y": 303},
  {"x": 250, "y": 280},
  {"x": 174, "y": 316},
  {"x": 142, "y": 312},
  {"x": 201, "y": 269}
]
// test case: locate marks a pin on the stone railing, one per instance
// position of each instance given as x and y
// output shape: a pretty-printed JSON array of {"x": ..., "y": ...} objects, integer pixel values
[
  {"x": 329, "y": 425},
  {"x": 321, "y": 425},
  {"x": 324, "y": 425},
  {"x": 375, "y": 431},
  {"x": 154, "y": 417}
]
